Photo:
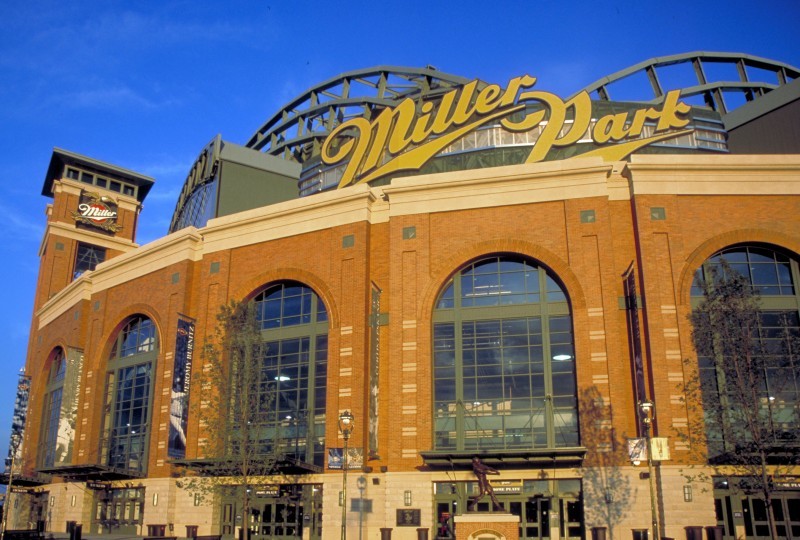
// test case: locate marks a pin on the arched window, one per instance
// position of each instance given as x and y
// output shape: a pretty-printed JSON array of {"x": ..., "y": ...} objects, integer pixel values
[
  {"x": 51, "y": 412},
  {"x": 504, "y": 361},
  {"x": 294, "y": 326},
  {"x": 770, "y": 273},
  {"x": 772, "y": 348},
  {"x": 129, "y": 388}
]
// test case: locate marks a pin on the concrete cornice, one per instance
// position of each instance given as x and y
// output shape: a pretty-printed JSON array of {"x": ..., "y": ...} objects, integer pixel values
[
  {"x": 66, "y": 230},
  {"x": 290, "y": 218},
  {"x": 64, "y": 300},
  {"x": 186, "y": 244},
  {"x": 178, "y": 247},
  {"x": 715, "y": 174},
  {"x": 500, "y": 186}
]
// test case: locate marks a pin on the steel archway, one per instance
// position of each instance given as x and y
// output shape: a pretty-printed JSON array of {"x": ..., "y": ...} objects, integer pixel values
[
  {"x": 712, "y": 91},
  {"x": 308, "y": 119}
]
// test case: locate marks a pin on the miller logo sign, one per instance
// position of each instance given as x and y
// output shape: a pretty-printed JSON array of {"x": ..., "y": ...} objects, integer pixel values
[
  {"x": 407, "y": 136},
  {"x": 97, "y": 211}
]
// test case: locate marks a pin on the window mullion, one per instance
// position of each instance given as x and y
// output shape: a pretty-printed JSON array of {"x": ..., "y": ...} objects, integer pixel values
[
  {"x": 547, "y": 360},
  {"x": 458, "y": 363},
  {"x": 310, "y": 388}
]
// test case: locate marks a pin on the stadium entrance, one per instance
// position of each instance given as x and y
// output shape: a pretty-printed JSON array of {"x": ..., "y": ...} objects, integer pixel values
[
  {"x": 280, "y": 512},
  {"x": 546, "y": 508}
]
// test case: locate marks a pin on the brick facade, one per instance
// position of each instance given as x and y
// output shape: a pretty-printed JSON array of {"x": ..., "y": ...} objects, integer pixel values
[{"x": 533, "y": 211}]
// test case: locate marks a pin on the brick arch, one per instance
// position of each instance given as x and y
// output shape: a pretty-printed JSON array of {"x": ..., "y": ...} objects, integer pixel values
[
  {"x": 445, "y": 268},
  {"x": 716, "y": 243},
  {"x": 51, "y": 357},
  {"x": 123, "y": 317},
  {"x": 50, "y": 347},
  {"x": 44, "y": 379},
  {"x": 251, "y": 286}
]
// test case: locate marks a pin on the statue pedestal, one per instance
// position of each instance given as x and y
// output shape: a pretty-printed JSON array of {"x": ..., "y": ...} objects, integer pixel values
[{"x": 486, "y": 526}]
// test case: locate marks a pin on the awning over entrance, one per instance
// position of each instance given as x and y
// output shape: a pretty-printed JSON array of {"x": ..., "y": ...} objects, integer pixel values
[
  {"x": 552, "y": 457},
  {"x": 23, "y": 481},
  {"x": 90, "y": 472}
]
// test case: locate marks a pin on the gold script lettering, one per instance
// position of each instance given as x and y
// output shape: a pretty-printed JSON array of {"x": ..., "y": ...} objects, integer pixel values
[{"x": 368, "y": 144}]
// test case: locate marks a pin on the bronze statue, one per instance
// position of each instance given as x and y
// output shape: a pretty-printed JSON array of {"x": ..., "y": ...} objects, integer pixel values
[{"x": 484, "y": 487}]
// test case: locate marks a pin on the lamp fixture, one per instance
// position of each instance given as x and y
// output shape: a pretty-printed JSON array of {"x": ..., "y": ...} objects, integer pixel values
[{"x": 346, "y": 423}]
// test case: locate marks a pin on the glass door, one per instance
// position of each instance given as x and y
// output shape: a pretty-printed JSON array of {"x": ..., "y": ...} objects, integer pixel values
[{"x": 284, "y": 513}]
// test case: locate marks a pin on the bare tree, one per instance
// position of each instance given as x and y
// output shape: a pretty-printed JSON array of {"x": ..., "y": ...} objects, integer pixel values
[
  {"x": 744, "y": 396},
  {"x": 238, "y": 432},
  {"x": 605, "y": 486}
]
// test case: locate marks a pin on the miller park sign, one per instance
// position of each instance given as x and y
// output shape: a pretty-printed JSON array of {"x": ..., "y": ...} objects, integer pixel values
[{"x": 411, "y": 133}]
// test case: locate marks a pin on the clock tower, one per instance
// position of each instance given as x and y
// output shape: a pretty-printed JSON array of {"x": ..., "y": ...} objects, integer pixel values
[{"x": 92, "y": 218}]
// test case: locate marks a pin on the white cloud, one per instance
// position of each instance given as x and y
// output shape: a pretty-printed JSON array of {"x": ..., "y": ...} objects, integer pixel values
[
  {"x": 20, "y": 227},
  {"x": 104, "y": 98}
]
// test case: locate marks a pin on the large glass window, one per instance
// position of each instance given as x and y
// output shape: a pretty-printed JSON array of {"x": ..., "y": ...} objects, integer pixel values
[
  {"x": 128, "y": 400},
  {"x": 504, "y": 360},
  {"x": 87, "y": 258},
  {"x": 768, "y": 271},
  {"x": 294, "y": 326},
  {"x": 51, "y": 412},
  {"x": 773, "y": 351},
  {"x": 199, "y": 207}
]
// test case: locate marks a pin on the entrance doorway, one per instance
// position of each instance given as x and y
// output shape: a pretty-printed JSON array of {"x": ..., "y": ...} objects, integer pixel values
[
  {"x": 548, "y": 509},
  {"x": 277, "y": 511},
  {"x": 40, "y": 511},
  {"x": 752, "y": 512},
  {"x": 119, "y": 511}
]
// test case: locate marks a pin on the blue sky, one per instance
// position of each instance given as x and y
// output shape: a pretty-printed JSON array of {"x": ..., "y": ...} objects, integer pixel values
[{"x": 145, "y": 85}]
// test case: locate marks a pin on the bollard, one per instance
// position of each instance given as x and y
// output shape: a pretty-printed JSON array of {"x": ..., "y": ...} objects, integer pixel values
[
  {"x": 422, "y": 533},
  {"x": 598, "y": 533},
  {"x": 386, "y": 533},
  {"x": 714, "y": 532},
  {"x": 694, "y": 533}
]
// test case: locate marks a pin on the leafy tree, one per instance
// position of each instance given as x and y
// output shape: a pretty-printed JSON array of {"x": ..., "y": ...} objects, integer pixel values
[
  {"x": 744, "y": 395},
  {"x": 238, "y": 440}
]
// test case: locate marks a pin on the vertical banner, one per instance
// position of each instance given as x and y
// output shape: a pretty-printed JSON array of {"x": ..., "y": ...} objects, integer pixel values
[
  {"x": 181, "y": 377},
  {"x": 69, "y": 407},
  {"x": 374, "y": 369},
  {"x": 18, "y": 424},
  {"x": 635, "y": 339}
]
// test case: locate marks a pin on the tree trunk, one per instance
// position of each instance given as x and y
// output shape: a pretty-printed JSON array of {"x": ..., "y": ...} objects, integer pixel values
[{"x": 767, "y": 491}]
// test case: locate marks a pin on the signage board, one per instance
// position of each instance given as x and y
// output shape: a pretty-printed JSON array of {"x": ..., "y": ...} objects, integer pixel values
[
  {"x": 355, "y": 458},
  {"x": 786, "y": 482},
  {"x": 361, "y": 505},
  {"x": 409, "y": 517},
  {"x": 97, "y": 211},
  {"x": 408, "y": 135},
  {"x": 267, "y": 491},
  {"x": 506, "y": 486},
  {"x": 660, "y": 448}
]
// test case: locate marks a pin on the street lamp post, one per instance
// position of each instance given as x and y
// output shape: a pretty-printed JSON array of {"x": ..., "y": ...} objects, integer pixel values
[
  {"x": 362, "y": 485},
  {"x": 648, "y": 411},
  {"x": 346, "y": 421}
]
